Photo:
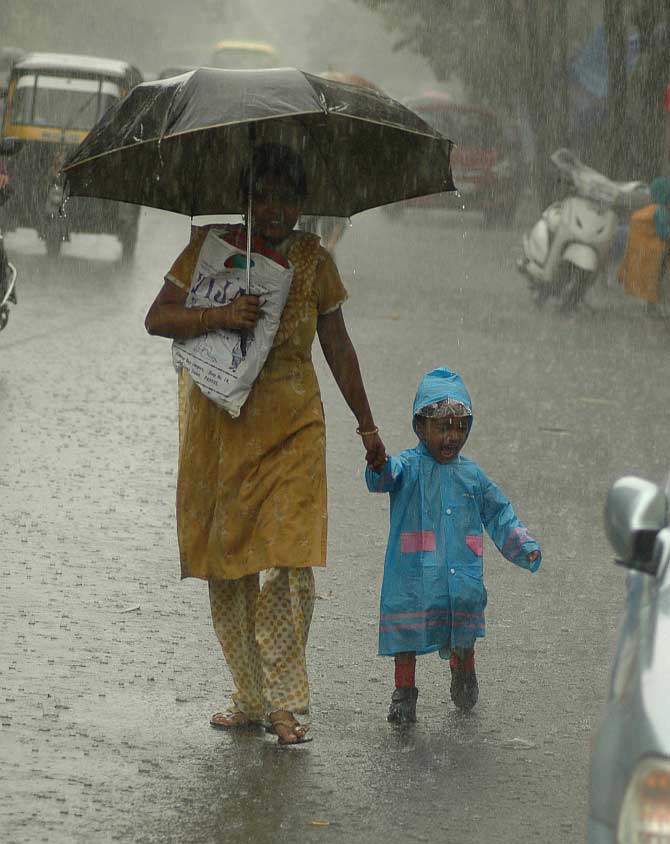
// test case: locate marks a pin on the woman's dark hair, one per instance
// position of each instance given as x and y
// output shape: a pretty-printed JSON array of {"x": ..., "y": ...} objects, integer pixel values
[{"x": 277, "y": 161}]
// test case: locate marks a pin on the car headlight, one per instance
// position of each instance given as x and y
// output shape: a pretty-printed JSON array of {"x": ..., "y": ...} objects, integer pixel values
[{"x": 645, "y": 813}]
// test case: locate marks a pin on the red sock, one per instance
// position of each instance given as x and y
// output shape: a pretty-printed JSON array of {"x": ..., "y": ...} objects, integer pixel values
[
  {"x": 405, "y": 671},
  {"x": 466, "y": 663}
]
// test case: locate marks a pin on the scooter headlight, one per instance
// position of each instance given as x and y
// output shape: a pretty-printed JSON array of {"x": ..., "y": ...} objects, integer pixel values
[{"x": 645, "y": 813}]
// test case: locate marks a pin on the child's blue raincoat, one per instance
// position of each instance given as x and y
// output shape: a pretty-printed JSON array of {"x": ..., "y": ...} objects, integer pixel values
[{"x": 433, "y": 590}]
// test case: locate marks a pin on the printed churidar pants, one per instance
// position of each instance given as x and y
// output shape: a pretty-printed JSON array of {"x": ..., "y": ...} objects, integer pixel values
[{"x": 263, "y": 634}]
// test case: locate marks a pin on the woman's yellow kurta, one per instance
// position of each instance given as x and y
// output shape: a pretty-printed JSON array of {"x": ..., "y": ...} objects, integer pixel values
[{"x": 251, "y": 491}]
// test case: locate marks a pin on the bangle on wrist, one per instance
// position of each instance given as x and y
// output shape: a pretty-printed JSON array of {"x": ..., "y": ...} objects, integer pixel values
[
  {"x": 374, "y": 430},
  {"x": 203, "y": 322}
]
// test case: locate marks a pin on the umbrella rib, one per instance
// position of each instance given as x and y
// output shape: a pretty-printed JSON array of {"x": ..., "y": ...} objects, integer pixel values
[
  {"x": 432, "y": 135},
  {"x": 197, "y": 179},
  {"x": 161, "y": 138}
]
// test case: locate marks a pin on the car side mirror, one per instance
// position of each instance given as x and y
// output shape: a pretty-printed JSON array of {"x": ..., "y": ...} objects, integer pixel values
[
  {"x": 9, "y": 146},
  {"x": 635, "y": 512}
]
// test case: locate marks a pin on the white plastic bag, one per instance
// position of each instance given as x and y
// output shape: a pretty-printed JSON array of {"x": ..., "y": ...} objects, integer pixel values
[{"x": 225, "y": 363}]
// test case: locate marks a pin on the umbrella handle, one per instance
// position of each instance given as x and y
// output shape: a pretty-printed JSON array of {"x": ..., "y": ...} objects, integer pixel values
[
  {"x": 249, "y": 210},
  {"x": 252, "y": 138}
]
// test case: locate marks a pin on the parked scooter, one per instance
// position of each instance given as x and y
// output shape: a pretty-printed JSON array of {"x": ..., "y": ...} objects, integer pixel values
[
  {"x": 7, "y": 276},
  {"x": 568, "y": 248}
]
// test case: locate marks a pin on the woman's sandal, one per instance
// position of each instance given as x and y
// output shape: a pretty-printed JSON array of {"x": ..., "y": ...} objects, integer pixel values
[
  {"x": 232, "y": 719},
  {"x": 285, "y": 721}
]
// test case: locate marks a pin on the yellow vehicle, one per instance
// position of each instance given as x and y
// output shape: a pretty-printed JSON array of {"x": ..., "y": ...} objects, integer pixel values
[
  {"x": 244, "y": 55},
  {"x": 53, "y": 100}
]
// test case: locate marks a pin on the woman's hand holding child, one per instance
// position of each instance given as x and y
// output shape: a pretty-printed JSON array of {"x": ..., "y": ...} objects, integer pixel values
[{"x": 375, "y": 451}]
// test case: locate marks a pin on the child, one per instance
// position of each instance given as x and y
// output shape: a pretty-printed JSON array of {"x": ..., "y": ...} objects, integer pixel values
[{"x": 433, "y": 594}]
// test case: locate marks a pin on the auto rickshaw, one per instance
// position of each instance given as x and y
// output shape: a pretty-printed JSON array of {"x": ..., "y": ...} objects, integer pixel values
[
  {"x": 243, "y": 55},
  {"x": 53, "y": 100}
]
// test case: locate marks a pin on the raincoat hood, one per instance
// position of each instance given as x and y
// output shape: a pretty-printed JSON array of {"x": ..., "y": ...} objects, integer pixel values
[{"x": 441, "y": 384}]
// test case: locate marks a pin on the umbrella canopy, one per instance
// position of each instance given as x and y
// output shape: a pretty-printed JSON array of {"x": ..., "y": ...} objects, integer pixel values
[
  {"x": 181, "y": 144},
  {"x": 350, "y": 79}
]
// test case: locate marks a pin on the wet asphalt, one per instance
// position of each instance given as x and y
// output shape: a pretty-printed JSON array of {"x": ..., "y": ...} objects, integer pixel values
[{"x": 109, "y": 668}]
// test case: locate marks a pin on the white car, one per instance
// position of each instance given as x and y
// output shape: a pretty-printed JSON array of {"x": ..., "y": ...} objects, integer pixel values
[{"x": 630, "y": 762}]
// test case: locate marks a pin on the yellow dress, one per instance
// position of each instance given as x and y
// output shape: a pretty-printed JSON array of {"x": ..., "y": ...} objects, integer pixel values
[{"x": 251, "y": 491}]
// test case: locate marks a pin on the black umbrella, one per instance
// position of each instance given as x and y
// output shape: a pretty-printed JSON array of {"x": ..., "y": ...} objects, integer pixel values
[{"x": 181, "y": 144}]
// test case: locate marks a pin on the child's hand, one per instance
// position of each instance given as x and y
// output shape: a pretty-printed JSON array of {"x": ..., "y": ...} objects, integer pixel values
[
  {"x": 375, "y": 452},
  {"x": 532, "y": 556},
  {"x": 377, "y": 464}
]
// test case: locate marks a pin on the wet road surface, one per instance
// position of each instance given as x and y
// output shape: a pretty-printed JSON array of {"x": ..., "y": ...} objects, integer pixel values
[{"x": 109, "y": 668}]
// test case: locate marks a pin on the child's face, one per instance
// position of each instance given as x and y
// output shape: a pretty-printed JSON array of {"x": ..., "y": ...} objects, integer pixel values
[{"x": 444, "y": 437}]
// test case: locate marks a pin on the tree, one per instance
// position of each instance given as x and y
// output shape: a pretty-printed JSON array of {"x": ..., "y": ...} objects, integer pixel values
[
  {"x": 510, "y": 53},
  {"x": 617, "y": 48},
  {"x": 648, "y": 139}
]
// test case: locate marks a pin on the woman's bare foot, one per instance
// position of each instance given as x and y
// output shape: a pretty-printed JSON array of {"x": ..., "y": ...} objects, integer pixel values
[
  {"x": 230, "y": 720},
  {"x": 287, "y": 729}
]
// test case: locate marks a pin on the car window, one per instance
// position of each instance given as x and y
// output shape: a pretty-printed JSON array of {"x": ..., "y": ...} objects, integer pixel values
[
  {"x": 61, "y": 101},
  {"x": 465, "y": 128}
]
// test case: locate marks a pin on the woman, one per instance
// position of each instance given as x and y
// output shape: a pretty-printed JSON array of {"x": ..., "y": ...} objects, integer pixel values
[{"x": 251, "y": 491}]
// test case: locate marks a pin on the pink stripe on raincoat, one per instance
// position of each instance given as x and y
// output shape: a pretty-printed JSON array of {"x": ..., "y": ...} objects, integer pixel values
[
  {"x": 475, "y": 543},
  {"x": 514, "y": 541},
  {"x": 419, "y": 540}
]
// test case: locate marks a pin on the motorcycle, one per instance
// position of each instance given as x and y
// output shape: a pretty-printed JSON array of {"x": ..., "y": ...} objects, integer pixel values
[
  {"x": 7, "y": 276},
  {"x": 568, "y": 248}
]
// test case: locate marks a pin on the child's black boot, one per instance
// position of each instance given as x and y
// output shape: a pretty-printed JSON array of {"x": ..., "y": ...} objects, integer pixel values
[
  {"x": 464, "y": 687},
  {"x": 403, "y": 705}
]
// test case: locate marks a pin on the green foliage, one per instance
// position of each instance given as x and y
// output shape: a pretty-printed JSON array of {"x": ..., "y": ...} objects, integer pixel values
[
  {"x": 492, "y": 47},
  {"x": 510, "y": 54}
]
